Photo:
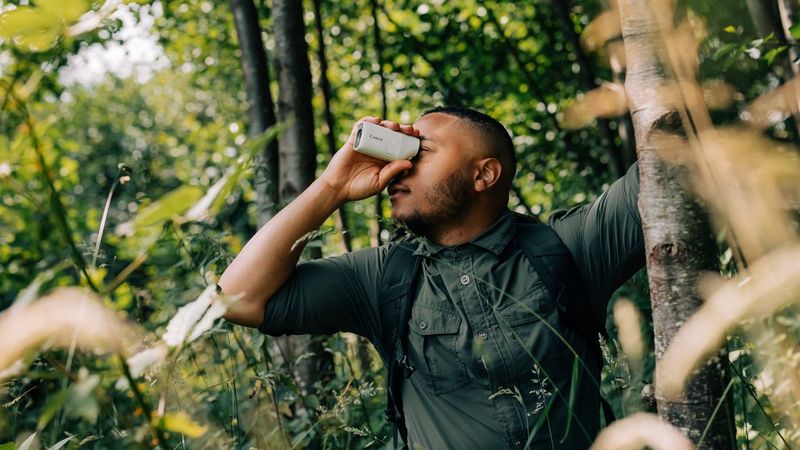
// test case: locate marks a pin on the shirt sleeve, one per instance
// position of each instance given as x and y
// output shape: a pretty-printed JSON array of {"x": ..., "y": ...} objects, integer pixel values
[
  {"x": 605, "y": 237},
  {"x": 324, "y": 296}
]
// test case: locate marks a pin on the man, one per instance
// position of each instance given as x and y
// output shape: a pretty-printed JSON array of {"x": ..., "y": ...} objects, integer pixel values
[{"x": 491, "y": 358}]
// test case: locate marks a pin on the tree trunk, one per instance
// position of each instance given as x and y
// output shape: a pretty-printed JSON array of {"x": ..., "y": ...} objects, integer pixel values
[
  {"x": 376, "y": 33},
  {"x": 330, "y": 124},
  {"x": 296, "y": 149},
  {"x": 261, "y": 107},
  {"x": 297, "y": 153},
  {"x": 678, "y": 240}
]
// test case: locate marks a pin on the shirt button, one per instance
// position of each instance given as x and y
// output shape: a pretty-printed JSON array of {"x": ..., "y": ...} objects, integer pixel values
[
  {"x": 482, "y": 334},
  {"x": 517, "y": 444},
  {"x": 465, "y": 279},
  {"x": 422, "y": 324}
]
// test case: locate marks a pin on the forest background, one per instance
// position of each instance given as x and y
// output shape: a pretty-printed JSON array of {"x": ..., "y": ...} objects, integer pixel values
[{"x": 139, "y": 151}]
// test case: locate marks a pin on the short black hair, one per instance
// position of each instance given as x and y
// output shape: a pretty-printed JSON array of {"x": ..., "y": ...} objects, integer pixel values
[{"x": 493, "y": 132}]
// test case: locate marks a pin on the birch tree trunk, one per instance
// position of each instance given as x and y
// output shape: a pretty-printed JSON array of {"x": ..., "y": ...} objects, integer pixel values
[
  {"x": 261, "y": 112},
  {"x": 678, "y": 240}
]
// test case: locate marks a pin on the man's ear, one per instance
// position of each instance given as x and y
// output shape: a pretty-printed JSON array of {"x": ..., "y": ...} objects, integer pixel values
[{"x": 488, "y": 174}]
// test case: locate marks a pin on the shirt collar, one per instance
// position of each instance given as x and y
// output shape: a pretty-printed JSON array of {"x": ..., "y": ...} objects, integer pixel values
[{"x": 495, "y": 238}]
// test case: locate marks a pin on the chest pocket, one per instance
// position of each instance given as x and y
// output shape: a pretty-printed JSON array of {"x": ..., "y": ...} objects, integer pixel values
[
  {"x": 531, "y": 324},
  {"x": 433, "y": 340}
]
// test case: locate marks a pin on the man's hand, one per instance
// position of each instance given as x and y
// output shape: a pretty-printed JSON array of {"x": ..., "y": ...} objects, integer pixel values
[{"x": 355, "y": 176}]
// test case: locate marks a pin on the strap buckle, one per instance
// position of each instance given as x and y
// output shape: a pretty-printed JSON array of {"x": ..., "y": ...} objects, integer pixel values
[{"x": 408, "y": 369}]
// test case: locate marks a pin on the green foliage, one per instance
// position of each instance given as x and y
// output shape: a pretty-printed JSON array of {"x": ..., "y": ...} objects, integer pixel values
[{"x": 183, "y": 132}]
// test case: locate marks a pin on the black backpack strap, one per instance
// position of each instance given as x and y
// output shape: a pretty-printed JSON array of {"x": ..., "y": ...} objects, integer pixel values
[
  {"x": 401, "y": 269},
  {"x": 553, "y": 262}
]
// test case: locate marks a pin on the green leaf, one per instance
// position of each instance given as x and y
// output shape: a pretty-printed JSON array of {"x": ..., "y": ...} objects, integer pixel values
[
  {"x": 34, "y": 29},
  {"x": 730, "y": 29},
  {"x": 26, "y": 19},
  {"x": 77, "y": 401},
  {"x": 143, "y": 231},
  {"x": 53, "y": 406},
  {"x": 795, "y": 31},
  {"x": 722, "y": 51},
  {"x": 69, "y": 10},
  {"x": 251, "y": 148},
  {"x": 169, "y": 206},
  {"x": 573, "y": 390},
  {"x": 8, "y": 446},
  {"x": 772, "y": 54},
  {"x": 180, "y": 422}
]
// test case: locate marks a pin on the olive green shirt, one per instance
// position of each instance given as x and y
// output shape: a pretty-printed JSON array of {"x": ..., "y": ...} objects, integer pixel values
[{"x": 494, "y": 361}]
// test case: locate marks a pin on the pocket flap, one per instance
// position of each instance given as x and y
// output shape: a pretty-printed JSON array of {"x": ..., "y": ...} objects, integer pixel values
[
  {"x": 533, "y": 305},
  {"x": 427, "y": 320}
]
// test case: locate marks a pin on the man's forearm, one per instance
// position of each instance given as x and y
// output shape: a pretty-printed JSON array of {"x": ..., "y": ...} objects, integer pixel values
[{"x": 269, "y": 258}]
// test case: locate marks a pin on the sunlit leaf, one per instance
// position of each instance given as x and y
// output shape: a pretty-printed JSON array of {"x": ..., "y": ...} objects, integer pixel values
[
  {"x": 600, "y": 30},
  {"x": 31, "y": 28},
  {"x": 773, "y": 106},
  {"x": 26, "y": 445},
  {"x": 641, "y": 430},
  {"x": 26, "y": 19},
  {"x": 180, "y": 422},
  {"x": 169, "y": 206},
  {"x": 69, "y": 10},
  {"x": 719, "y": 95},
  {"x": 608, "y": 100},
  {"x": 202, "y": 208},
  {"x": 773, "y": 53},
  {"x": 8, "y": 446},
  {"x": 26, "y": 90},
  {"x": 145, "y": 359},
  {"x": 144, "y": 229},
  {"x": 195, "y": 317},
  {"x": 772, "y": 282},
  {"x": 61, "y": 443},
  {"x": 627, "y": 320},
  {"x": 251, "y": 148},
  {"x": 31, "y": 292},
  {"x": 66, "y": 317}
]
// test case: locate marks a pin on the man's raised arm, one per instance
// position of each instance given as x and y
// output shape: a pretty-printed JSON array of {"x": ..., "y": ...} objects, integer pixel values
[{"x": 270, "y": 257}]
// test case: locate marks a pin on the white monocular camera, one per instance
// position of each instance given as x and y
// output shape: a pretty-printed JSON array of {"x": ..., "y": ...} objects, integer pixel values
[{"x": 383, "y": 143}]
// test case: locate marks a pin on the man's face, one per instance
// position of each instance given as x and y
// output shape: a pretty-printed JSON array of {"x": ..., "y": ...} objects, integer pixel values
[{"x": 436, "y": 191}]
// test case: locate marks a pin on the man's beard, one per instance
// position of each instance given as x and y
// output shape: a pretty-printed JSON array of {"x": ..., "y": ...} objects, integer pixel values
[{"x": 448, "y": 201}]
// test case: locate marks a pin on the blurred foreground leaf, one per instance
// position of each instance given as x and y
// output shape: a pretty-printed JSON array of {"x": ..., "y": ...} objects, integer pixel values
[
  {"x": 69, "y": 10},
  {"x": 33, "y": 29},
  {"x": 180, "y": 422}
]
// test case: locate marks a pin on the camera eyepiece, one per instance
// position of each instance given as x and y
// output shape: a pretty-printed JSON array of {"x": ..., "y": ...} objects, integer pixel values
[{"x": 358, "y": 135}]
